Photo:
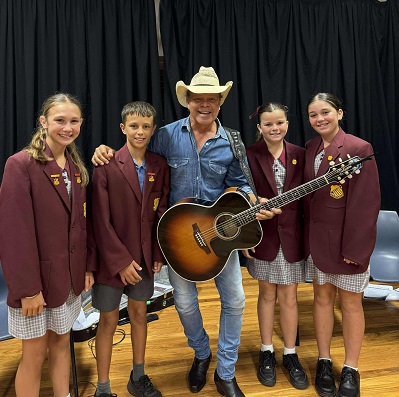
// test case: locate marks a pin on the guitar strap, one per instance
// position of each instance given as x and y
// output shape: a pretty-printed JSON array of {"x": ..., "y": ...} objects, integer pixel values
[{"x": 238, "y": 149}]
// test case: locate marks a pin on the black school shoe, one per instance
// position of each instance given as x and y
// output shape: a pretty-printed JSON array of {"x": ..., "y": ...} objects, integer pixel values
[
  {"x": 267, "y": 368},
  {"x": 350, "y": 383},
  {"x": 143, "y": 387},
  {"x": 298, "y": 377},
  {"x": 325, "y": 383},
  {"x": 105, "y": 394}
]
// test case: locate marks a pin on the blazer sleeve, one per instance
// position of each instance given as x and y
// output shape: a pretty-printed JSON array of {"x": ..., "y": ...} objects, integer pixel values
[
  {"x": 113, "y": 252},
  {"x": 362, "y": 208},
  {"x": 18, "y": 253}
]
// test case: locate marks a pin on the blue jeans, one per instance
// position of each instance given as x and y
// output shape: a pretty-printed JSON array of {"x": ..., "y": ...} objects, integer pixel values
[{"x": 231, "y": 292}]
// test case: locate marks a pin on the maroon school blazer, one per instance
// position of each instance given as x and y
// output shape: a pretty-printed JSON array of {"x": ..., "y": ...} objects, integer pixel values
[
  {"x": 340, "y": 219},
  {"x": 124, "y": 219},
  {"x": 286, "y": 228},
  {"x": 43, "y": 236}
]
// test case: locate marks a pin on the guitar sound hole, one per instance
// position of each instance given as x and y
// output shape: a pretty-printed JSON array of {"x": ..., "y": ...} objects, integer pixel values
[{"x": 226, "y": 227}]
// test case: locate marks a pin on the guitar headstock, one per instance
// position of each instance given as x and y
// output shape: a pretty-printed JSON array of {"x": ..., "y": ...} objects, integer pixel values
[{"x": 338, "y": 172}]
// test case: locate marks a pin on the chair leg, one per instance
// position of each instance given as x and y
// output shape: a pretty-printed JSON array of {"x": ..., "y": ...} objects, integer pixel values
[{"x": 73, "y": 362}]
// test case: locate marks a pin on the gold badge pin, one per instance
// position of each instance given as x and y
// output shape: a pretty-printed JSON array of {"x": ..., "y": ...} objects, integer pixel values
[
  {"x": 336, "y": 191},
  {"x": 294, "y": 161},
  {"x": 56, "y": 180},
  {"x": 84, "y": 209},
  {"x": 151, "y": 177},
  {"x": 78, "y": 179},
  {"x": 156, "y": 202},
  {"x": 329, "y": 158}
]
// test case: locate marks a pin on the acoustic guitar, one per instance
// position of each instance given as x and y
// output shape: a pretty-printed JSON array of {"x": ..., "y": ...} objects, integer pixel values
[{"x": 197, "y": 237}]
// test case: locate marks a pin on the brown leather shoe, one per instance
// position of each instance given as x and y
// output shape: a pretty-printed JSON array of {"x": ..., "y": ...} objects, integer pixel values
[
  {"x": 197, "y": 374},
  {"x": 228, "y": 388}
]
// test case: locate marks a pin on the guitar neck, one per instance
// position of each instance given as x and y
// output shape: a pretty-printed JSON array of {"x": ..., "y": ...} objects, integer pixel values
[
  {"x": 296, "y": 193},
  {"x": 283, "y": 199}
]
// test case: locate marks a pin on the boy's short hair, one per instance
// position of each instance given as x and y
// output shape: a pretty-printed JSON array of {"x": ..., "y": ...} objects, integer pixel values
[{"x": 139, "y": 108}]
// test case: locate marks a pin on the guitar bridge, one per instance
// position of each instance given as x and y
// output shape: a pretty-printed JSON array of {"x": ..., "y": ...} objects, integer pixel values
[{"x": 199, "y": 239}]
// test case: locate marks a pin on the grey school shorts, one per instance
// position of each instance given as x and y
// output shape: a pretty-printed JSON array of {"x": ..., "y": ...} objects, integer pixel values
[{"x": 107, "y": 298}]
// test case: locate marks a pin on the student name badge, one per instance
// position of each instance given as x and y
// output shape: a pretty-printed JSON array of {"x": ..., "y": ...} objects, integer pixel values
[
  {"x": 84, "y": 209},
  {"x": 336, "y": 191},
  {"x": 151, "y": 177},
  {"x": 56, "y": 179}
]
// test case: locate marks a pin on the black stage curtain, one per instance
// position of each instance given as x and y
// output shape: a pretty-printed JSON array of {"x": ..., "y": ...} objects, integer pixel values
[
  {"x": 287, "y": 50},
  {"x": 103, "y": 51}
]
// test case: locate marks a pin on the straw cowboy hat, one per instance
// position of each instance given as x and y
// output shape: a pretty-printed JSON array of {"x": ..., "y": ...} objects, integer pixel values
[{"x": 205, "y": 81}]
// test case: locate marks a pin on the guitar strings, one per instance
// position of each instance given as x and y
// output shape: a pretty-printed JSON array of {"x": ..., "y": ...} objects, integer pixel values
[{"x": 247, "y": 216}]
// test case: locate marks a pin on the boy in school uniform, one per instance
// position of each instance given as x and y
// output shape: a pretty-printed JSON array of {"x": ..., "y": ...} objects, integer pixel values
[{"x": 128, "y": 198}]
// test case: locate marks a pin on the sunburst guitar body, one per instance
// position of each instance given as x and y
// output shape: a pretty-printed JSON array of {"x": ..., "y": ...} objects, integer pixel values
[{"x": 197, "y": 239}]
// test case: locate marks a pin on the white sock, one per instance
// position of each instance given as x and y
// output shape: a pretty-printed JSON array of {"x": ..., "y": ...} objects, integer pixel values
[
  {"x": 289, "y": 351},
  {"x": 322, "y": 358},
  {"x": 69, "y": 395},
  {"x": 264, "y": 348},
  {"x": 345, "y": 365}
]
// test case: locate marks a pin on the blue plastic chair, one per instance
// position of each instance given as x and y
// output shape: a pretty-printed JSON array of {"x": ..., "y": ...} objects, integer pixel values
[
  {"x": 3, "y": 308},
  {"x": 384, "y": 262}
]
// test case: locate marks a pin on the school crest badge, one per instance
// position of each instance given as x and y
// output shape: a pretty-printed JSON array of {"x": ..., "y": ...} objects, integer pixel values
[{"x": 336, "y": 191}]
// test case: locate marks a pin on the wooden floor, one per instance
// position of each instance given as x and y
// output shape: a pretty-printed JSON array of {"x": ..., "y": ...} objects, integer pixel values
[{"x": 169, "y": 358}]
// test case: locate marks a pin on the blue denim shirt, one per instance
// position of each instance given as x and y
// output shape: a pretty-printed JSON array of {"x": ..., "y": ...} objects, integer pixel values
[{"x": 205, "y": 175}]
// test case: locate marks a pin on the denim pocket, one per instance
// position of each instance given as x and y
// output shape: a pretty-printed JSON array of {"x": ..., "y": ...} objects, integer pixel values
[{"x": 179, "y": 171}]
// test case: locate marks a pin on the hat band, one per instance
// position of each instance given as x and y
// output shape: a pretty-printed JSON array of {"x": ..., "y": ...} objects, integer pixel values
[{"x": 208, "y": 85}]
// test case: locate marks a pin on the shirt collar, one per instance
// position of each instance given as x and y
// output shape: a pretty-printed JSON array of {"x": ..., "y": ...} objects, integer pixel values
[{"x": 186, "y": 127}]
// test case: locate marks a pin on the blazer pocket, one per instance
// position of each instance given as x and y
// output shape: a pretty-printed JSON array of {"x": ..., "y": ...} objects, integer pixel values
[{"x": 334, "y": 196}]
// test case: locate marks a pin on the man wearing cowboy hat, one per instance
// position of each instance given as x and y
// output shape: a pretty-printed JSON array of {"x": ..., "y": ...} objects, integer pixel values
[{"x": 203, "y": 166}]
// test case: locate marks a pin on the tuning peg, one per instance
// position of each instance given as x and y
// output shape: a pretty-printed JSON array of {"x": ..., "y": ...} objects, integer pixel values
[
  {"x": 357, "y": 172},
  {"x": 348, "y": 155},
  {"x": 332, "y": 163},
  {"x": 340, "y": 160},
  {"x": 350, "y": 176},
  {"x": 342, "y": 181}
]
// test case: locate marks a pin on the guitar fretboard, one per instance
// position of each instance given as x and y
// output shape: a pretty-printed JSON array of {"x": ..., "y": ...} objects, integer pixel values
[{"x": 335, "y": 174}]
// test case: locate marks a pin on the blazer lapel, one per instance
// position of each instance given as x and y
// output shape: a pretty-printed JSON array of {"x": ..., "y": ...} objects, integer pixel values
[
  {"x": 290, "y": 169},
  {"x": 128, "y": 169},
  {"x": 151, "y": 173},
  {"x": 53, "y": 172},
  {"x": 332, "y": 152},
  {"x": 76, "y": 181},
  {"x": 267, "y": 168}
]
